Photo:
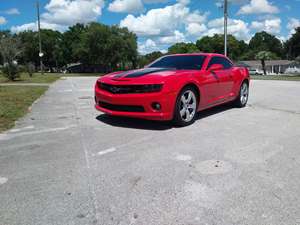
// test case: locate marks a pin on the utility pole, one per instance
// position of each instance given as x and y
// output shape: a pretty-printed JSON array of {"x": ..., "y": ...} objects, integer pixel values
[
  {"x": 225, "y": 25},
  {"x": 41, "y": 54}
]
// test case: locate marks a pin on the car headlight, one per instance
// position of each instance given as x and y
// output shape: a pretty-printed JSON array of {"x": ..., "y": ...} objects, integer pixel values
[{"x": 149, "y": 88}]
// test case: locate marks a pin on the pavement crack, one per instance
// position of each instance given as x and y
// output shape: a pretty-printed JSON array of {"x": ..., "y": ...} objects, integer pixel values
[
  {"x": 135, "y": 181},
  {"x": 91, "y": 184},
  {"x": 273, "y": 109}
]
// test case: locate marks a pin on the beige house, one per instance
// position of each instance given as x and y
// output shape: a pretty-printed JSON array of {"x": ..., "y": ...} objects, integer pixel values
[{"x": 272, "y": 66}]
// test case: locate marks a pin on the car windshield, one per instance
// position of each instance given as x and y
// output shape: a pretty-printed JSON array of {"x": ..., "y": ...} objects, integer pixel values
[{"x": 180, "y": 62}]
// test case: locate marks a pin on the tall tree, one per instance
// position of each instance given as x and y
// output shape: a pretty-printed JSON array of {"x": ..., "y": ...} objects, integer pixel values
[
  {"x": 215, "y": 44},
  {"x": 264, "y": 41},
  {"x": 292, "y": 46},
  {"x": 70, "y": 43},
  {"x": 51, "y": 47},
  {"x": 30, "y": 54},
  {"x": 108, "y": 46},
  {"x": 183, "y": 48},
  {"x": 51, "y": 40}
]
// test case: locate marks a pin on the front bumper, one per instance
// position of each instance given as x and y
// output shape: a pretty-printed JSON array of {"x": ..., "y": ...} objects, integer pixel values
[{"x": 143, "y": 100}]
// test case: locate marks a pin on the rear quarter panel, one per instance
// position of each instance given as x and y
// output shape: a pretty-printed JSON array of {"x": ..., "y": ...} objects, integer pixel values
[{"x": 239, "y": 75}]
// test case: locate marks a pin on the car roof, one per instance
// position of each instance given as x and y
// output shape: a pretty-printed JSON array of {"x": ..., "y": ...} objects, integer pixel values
[{"x": 189, "y": 54}]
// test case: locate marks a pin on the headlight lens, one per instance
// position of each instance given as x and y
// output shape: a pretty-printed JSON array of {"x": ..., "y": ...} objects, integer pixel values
[{"x": 148, "y": 88}]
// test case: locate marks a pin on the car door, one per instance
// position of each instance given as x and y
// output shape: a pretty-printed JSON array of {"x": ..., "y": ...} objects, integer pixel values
[
  {"x": 224, "y": 77},
  {"x": 209, "y": 87}
]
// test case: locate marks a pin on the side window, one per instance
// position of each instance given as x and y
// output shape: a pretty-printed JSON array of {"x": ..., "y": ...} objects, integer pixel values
[
  {"x": 220, "y": 60},
  {"x": 213, "y": 60},
  {"x": 226, "y": 63}
]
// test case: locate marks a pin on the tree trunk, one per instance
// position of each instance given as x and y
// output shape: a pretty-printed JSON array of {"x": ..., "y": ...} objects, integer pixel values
[{"x": 263, "y": 66}]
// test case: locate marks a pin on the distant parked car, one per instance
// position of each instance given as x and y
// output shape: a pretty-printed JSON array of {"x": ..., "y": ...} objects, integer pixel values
[
  {"x": 292, "y": 70},
  {"x": 256, "y": 72},
  {"x": 174, "y": 87}
]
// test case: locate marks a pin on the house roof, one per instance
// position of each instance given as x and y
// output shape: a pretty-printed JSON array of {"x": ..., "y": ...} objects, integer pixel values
[{"x": 256, "y": 63}]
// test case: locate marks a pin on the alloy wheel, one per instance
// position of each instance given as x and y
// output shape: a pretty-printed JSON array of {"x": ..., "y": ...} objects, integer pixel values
[
  {"x": 244, "y": 94},
  {"x": 188, "y": 104}
]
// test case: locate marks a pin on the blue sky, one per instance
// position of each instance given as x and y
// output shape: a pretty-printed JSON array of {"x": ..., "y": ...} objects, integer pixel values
[{"x": 158, "y": 23}]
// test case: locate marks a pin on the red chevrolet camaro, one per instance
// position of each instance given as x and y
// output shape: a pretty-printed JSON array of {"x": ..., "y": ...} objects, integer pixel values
[{"x": 174, "y": 87}]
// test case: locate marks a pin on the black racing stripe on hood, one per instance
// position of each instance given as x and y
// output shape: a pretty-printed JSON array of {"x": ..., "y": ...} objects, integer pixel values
[
  {"x": 121, "y": 74},
  {"x": 146, "y": 71},
  {"x": 141, "y": 73}
]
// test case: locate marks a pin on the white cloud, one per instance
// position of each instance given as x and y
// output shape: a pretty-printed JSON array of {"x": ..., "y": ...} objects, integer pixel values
[
  {"x": 63, "y": 13},
  {"x": 257, "y": 7},
  {"x": 236, "y": 27},
  {"x": 154, "y": 1},
  {"x": 126, "y": 6},
  {"x": 172, "y": 39},
  {"x": 196, "y": 17},
  {"x": 33, "y": 26},
  {"x": 148, "y": 46},
  {"x": 292, "y": 25},
  {"x": 219, "y": 3},
  {"x": 196, "y": 29},
  {"x": 163, "y": 21},
  {"x": 67, "y": 12},
  {"x": 272, "y": 26},
  {"x": 12, "y": 11},
  {"x": 2, "y": 20}
]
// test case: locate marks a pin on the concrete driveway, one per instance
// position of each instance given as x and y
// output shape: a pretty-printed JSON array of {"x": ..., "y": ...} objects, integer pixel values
[{"x": 65, "y": 163}]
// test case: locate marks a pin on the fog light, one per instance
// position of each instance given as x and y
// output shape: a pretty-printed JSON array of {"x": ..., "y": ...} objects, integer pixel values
[{"x": 156, "y": 106}]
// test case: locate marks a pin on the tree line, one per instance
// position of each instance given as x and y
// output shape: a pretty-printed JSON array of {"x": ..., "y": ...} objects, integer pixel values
[
  {"x": 108, "y": 47},
  {"x": 262, "y": 46},
  {"x": 115, "y": 48}
]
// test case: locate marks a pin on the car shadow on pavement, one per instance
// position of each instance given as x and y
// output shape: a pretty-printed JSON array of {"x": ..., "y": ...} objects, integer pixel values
[
  {"x": 135, "y": 123},
  {"x": 212, "y": 111}
]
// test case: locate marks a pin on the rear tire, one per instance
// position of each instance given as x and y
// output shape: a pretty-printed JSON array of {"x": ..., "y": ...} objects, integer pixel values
[
  {"x": 242, "y": 98},
  {"x": 186, "y": 107}
]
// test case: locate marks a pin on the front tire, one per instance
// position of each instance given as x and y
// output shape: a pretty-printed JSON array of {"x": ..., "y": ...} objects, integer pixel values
[
  {"x": 186, "y": 107},
  {"x": 242, "y": 99}
]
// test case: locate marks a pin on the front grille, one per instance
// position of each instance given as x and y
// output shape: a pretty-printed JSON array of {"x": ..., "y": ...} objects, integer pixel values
[
  {"x": 122, "y": 108},
  {"x": 130, "y": 89}
]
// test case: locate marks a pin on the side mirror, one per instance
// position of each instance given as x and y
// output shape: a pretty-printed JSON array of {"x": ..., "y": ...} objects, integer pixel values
[{"x": 215, "y": 67}]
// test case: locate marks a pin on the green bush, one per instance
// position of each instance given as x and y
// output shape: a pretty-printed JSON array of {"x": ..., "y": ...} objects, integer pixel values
[{"x": 11, "y": 71}]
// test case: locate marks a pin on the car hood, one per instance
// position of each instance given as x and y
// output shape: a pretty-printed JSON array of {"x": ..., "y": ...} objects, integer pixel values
[{"x": 145, "y": 75}]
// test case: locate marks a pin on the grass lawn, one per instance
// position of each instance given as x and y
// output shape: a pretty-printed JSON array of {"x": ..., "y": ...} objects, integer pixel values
[
  {"x": 15, "y": 101},
  {"x": 36, "y": 78},
  {"x": 45, "y": 78},
  {"x": 276, "y": 77}
]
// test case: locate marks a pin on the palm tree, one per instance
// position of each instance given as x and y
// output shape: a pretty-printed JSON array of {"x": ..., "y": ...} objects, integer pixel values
[{"x": 263, "y": 56}]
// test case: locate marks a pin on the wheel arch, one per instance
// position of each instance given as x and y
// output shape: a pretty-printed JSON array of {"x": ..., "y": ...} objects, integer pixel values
[
  {"x": 195, "y": 87},
  {"x": 246, "y": 80}
]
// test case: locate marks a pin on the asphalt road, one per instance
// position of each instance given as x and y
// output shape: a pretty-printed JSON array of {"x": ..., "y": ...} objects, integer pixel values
[{"x": 65, "y": 163}]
